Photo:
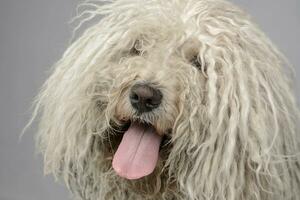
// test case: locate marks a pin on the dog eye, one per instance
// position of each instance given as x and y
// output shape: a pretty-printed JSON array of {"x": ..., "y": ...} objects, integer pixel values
[
  {"x": 136, "y": 49},
  {"x": 196, "y": 62}
]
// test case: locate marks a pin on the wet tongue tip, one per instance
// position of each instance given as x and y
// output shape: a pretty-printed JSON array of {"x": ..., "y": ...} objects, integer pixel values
[
  {"x": 129, "y": 176},
  {"x": 137, "y": 153}
]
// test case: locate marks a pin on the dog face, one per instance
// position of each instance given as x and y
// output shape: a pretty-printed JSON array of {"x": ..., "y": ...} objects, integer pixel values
[
  {"x": 157, "y": 68},
  {"x": 152, "y": 86},
  {"x": 187, "y": 97}
]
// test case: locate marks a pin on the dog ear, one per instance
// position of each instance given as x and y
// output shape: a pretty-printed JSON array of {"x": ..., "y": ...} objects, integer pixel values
[
  {"x": 73, "y": 101},
  {"x": 248, "y": 124},
  {"x": 72, "y": 104}
]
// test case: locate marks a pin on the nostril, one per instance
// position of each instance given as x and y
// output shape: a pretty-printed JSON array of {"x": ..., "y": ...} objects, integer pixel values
[
  {"x": 149, "y": 103},
  {"x": 134, "y": 98},
  {"x": 154, "y": 101}
]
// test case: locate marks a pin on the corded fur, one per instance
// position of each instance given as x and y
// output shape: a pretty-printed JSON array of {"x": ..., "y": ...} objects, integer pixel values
[{"x": 234, "y": 122}]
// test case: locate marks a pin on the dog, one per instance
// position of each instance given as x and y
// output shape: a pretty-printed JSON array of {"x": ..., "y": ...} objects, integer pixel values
[{"x": 172, "y": 100}]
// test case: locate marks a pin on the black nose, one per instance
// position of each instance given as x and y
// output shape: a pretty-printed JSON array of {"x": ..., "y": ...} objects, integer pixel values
[{"x": 144, "y": 98}]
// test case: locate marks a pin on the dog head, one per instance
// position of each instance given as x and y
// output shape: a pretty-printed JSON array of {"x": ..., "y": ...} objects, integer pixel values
[{"x": 190, "y": 92}]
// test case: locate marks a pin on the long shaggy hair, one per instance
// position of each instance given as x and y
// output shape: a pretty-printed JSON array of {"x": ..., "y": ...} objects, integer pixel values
[{"x": 228, "y": 116}]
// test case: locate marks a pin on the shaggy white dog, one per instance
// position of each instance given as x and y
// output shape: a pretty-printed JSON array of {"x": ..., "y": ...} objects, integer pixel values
[{"x": 171, "y": 99}]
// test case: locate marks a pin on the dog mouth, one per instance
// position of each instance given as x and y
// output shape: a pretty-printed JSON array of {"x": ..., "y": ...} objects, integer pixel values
[{"x": 138, "y": 151}]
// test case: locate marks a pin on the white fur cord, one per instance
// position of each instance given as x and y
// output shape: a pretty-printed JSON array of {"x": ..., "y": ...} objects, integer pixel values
[{"x": 234, "y": 122}]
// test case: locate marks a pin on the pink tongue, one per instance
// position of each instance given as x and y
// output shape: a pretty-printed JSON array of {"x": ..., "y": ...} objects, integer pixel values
[{"x": 137, "y": 154}]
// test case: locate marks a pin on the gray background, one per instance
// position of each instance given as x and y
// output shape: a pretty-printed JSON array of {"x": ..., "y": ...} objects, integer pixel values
[{"x": 33, "y": 35}]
